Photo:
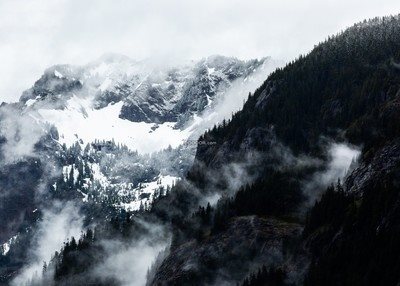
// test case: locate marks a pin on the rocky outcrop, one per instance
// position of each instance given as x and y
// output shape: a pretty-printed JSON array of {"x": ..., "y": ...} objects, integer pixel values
[{"x": 226, "y": 258}]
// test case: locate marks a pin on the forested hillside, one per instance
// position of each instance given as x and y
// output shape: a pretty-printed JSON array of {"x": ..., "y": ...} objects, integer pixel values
[
  {"x": 258, "y": 206},
  {"x": 346, "y": 90}
]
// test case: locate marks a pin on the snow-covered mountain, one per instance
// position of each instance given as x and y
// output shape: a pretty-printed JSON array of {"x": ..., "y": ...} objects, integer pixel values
[
  {"x": 115, "y": 133},
  {"x": 303, "y": 178},
  {"x": 116, "y": 108},
  {"x": 146, "y": 108}
]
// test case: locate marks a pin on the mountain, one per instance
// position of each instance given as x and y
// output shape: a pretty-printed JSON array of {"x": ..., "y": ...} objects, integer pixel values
[
  {"x": 110, "y": 136},
  {"x": 114, "y": 91},
  {"x": 345, "y": 92},
  {"x": 299, "y": 187}
]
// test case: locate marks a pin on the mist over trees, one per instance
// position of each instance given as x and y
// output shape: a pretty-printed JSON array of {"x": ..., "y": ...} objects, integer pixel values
[{"x": 256, "y": 207}]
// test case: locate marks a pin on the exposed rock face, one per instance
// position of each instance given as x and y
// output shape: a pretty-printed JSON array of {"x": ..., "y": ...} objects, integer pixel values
[
  {"x": 371, "y": 170},
  {"x": 225, "y": 258},
  {"x": 54, "y": 87},
  {"x": 178, "y": 93},
  {"x": 152, "y": 95}
]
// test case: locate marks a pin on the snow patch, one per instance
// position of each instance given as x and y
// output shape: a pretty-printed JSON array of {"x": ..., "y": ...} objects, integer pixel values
[
  {"x": 98, "y": 176},
  {"x": 85, "y": 196},
  {"x": 29, "y": 102},
  {"x": 80, "y": 121},
  {"x": 145, "y": 192},
  {"x": 67, "y": 171},
  {"x": 58, "y": 74},
  {"x": 5, "y": 247}
]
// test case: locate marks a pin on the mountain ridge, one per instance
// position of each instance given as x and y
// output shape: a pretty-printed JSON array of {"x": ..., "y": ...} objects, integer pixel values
[
  {"x": 302, "y": 179},
  {"x": 346, "y": 91}
]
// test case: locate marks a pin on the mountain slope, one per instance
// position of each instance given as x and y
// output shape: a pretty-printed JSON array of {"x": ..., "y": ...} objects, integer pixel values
[
  {"x": 248, "y": 204},
  {"x": 110, "y": 136},
  {"x": 146, "y": 108},
  {"x": 346, "y": 90},
  {"x": 263, "y": 194},
  {"x": 346, "y": 86}
]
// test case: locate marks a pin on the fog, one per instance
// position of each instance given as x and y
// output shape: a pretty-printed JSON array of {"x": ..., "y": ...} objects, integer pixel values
[
  {"x": 21, "y": 133},
  {"x": 58, "y": 224},
  {"x": 342, "y": 157},
  {"x": 38, "y": 34},
  {"x": 233, "y": 98},
  {"x": 129, "y": 262}
]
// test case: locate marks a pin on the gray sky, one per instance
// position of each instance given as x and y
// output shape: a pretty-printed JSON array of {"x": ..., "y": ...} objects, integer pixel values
[{"x": 38, "y": 33}]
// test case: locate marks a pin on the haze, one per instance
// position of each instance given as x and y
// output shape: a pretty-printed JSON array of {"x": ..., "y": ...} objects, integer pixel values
[{"x": 37, "y": 34}]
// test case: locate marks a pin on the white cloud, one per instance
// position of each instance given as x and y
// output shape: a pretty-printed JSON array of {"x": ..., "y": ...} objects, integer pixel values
[
  {"x": 58, "y": 224},
  {"x": 128, "y": 262},
  {"x": 37, "y": 34},
  {"x": 341, "y": 157},
  {"x": 21, "y": 133},
  {"x": 233, "y": 98}
]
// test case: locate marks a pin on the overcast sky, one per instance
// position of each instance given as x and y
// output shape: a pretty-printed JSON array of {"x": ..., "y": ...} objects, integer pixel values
[{"x": 36, "y": 34}]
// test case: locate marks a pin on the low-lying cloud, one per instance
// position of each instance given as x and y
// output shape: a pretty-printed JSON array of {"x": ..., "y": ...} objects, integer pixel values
[
  {"x": 128, "y": 262},
  {"x": 20, "y": 132},
  {"x": 342, "y": 157},
  {"x": 58, "y": 224},
  {"x": 233, "y": 98}
]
